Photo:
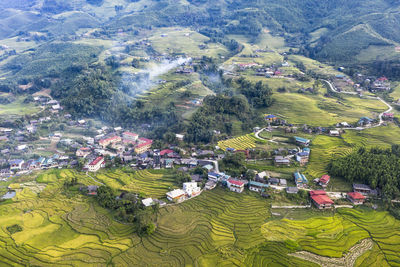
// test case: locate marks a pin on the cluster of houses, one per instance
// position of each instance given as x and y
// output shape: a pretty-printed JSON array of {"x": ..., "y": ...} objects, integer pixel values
[
  {"x": 189, "y": 190},
  {"x": 21, "y": 166},
  {"x": 360, "y": 193},
  {"x": 264, "y": 71}
]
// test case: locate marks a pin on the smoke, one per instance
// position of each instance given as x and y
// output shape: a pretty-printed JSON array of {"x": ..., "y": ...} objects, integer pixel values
[{"x": 141, "y": 82}]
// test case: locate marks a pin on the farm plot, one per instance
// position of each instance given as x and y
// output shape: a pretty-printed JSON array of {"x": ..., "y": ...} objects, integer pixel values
[
  {"x": 239, "y": 143},
  {"x": 334, "y": 236},
  {"x": 55, "y": 230},
  {"x": 151, "y": 183}
]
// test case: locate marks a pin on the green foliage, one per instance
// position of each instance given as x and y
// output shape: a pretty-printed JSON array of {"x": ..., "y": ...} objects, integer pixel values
[
  {"x": 258, "y": 95},
  {"x": 14, "y": 229},
  {"x": 376, "y": 167},
  {"x": 234, "y": 164}
]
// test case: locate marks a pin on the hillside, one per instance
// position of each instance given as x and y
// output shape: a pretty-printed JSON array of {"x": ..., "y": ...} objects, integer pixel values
[{"x": 328, "y": 30}]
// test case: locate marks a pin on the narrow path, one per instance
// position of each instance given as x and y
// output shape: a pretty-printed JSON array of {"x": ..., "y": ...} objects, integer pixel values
[
  {"x": 347, "y": 260},
  {"x": 96, "y": 181}
]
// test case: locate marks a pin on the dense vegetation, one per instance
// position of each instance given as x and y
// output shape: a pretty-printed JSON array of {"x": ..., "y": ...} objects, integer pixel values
[{"x": 376, "y": 167}]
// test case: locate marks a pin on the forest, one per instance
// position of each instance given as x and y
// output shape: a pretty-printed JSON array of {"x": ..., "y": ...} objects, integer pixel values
[{"x": 379, "y": 168}]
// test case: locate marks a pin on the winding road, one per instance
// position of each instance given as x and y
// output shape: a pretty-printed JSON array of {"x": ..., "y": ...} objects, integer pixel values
[{"x": 381, "y": 121}]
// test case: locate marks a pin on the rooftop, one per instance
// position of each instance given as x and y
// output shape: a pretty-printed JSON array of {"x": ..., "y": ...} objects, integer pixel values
[
  {"x": 322, "y": 199},
  {"x": 96, "y": 161}
]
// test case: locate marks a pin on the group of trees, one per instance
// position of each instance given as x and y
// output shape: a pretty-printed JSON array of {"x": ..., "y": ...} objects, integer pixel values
[
  {"x": 379, "y": 168},
  {"x": 258, "y": 94},
  {"x": 128, "y": 208}
]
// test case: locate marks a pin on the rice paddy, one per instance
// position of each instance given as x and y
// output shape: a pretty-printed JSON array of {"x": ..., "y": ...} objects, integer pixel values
[
  {"x": 239, "y": 143},
  {"x": 217, "y": 228},
  {"x": 334, "y": 236},
  {"x": 151, "y": 183}
]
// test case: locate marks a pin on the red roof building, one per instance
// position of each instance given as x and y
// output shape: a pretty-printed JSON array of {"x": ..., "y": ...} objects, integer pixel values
[
  {"x": 317, "y": 192},
  {"x": 356, "y": 198},
  {"x": 324, "y": 180},
  {"x": 143, "y": 146},
  {"x": 166, "y": 152},
  {"x": 320, "y": 199},
  {"x": 96, "y": 164},
  {"x": 111, "y": 140},
  {"x": 235, "y": 185}
]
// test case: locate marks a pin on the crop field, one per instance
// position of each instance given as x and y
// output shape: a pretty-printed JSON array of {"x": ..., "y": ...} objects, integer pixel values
[
  {"x": 217, "y": 228},
  {"x": 239, "y": 143},
  {"x": 321, "y": 111},
  {"x": 152, "y": 183},
  {"x": 181, "y": 40},
  {"x": 334, "y": 236},
  {"x": 323, "y": 149}
]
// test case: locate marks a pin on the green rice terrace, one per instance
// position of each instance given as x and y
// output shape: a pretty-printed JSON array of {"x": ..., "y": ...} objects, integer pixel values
[
  {"x": 240, "y": 143},
  {"x": 217, "y": 228}
]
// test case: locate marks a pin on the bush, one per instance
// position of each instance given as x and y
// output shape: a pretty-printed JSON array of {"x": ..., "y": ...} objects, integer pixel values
[{"x": 14, "y": 228}]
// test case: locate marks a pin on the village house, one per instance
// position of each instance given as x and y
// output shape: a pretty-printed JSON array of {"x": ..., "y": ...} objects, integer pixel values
[
  {"x": 362, "y": 188},
  {"x": 235, "y": 185},
  {"x": 111, "y": 140},
  {"x": 388, "y": 116},
  {"x": 210, "y": 185},
  {"x": 320, "y": 199},
  {"x": 334, "y": 132},
  {"x": 191, "y": 189},
  {"x": 147, "y": 202},
  {"x": 262, "y": 176},
  {"x": 180, "y": 137},
  {"x": 177, "y": 196},
  {"x": 300, "y": 180},
  {"x": 302, "y": 141},
  {"x": 280, "y": 160},
  {"x": 324, "y": 180},
  {"x": 381, "y": 84},
  {"x": 16, "y": 164},
  {"x": 271, "y": 118},
  {"x": 213, "y": 176},
  {"x": 292, "y": 190},
  {"x": 92, "y": 190},
  {"x": 257, "y": 186},
  {"x": 356, "y": 198},
  {"x": 83, "y": 152},
  {"x": 365, "y": 121},
  {"x": 302, "y": 158},
  {"x": 96, "y": 164},
  {"x": 273, "y": 181}
]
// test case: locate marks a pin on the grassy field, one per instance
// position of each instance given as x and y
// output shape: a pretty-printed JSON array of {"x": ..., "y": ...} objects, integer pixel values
[
  {"x": 317, "y": 110},
  {"x": 18, "y": 108},
  {"x": 181, "y": 40}
]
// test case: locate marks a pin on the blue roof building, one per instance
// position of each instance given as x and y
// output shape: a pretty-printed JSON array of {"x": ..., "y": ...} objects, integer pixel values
[
  {"x": 300, "y": 179},
  {"x": 302, "y": 141}
]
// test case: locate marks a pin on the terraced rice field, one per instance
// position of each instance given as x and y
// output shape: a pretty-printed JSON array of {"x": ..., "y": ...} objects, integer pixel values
[
  {"x": 152, "y": 183},
  {"x": 323, "y": 149},
  {"x": 239, "y": 143},
  {"x": 217, "y": 228},
  {"x": 334, "y": 236}
]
